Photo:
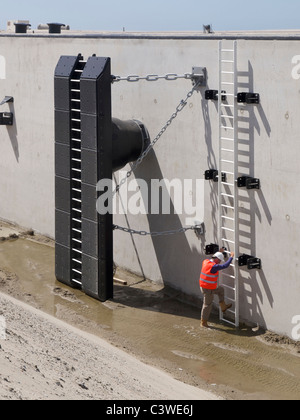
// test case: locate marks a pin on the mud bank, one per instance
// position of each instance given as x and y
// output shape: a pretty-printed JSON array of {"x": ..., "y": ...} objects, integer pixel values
[{"x": 148, "y": 322}]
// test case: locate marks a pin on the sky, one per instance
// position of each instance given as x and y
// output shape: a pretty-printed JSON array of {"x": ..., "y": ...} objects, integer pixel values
[{"x": 156, "y": 15}]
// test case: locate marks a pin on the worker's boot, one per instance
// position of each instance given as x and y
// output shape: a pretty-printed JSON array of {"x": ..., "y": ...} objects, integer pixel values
[
  {"x": 225, "y": 307},
  {"x": 204, "y": 324}
]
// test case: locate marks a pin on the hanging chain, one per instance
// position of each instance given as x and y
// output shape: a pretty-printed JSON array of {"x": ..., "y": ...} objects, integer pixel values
[
  {"x": 152, "y": 77},
  {"x": 183, "y": 103},
  {"x": 196, "y": 229}
]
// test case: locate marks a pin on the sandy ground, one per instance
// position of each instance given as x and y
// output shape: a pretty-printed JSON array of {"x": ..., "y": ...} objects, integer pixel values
[
  {"x": 44, "y": 358},
  {"x": 61, "y": 344}
]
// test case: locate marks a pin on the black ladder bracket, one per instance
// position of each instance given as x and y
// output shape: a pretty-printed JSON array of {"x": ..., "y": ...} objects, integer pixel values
[
  {"x": 252, "y": 263},
  {"x": 211, "y": 249},
  {"x": 249, "y": 183},
  {"x": 6, "y": 118},
  {"x": 248, "y": 98},
  {"x": 213, "y": 175},
  {"x": 213, "y": 95}
]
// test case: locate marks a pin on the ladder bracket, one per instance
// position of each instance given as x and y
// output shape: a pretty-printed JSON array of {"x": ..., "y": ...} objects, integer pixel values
[
  {"x": 248, "y": 98},
  {"x": 211, "y": 249},
  {"x": 251, "y": 262},
  {"x": 6, "y": 118},
  {"x": 248, "y": 182},
  {"x": 213, "y": 175},
  {"x": 213, "y": 95}
]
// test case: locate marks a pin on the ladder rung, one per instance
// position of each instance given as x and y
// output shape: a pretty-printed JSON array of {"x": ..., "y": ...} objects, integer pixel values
[
  {"x": 229, "y": 322},
  {"x": 223, "y": 126},
  {"x": 77, "y": 220},
  {"x": 76, "y": 160},
  {"x": 228, "y": 287},
  {"x": 227, "y": 139},
  {"x": 227, "y": 61},
  {"x": 227, "y": 183},
  {"x": 76, "y": 129},
  {"x": 228, "y": 218},
  {"x": 77, "y": 240},
  {"x": 77, "y": 200},
  {"x": 76, "y": 230},
  {"x": 231, "y": 300},
  {"x": 227, "y": 195},
  {"x": 227, "y": 161},
  {"x": 227, "y": 207},
  {"x": 76, "y": 271},
  {"x": 227, "y": 72},
  {"x": 227, "y": 173},
  {"x": 231, "y": 311},
  {"x": 76, "y": 250},
  {"x": 227, "y": 240},
  {"x": 229, "y": 275},
  {"x": 227, "y": 229},
  {"x": 228, "y": 83},
  {"x": 77, "y": 210},
  {"x": 76, "y": 170},
  {"x": 227, "y": 150},
  {"x": 77, "y": 261},
  {"x": 227, "y": 116},
  {"x": 226, "y": 50},
  {"x": 77, "y": 281}
]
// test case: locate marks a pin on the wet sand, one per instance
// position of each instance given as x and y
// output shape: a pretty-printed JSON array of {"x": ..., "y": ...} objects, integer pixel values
[{"x": 148, "y": 322}]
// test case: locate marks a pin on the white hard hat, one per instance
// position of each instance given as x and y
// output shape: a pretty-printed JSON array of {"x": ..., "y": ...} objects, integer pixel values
[{"x": 220, "y": 256}]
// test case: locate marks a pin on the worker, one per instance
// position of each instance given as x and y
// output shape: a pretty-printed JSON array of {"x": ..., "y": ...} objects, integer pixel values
[{"x": 209, "y": 284}]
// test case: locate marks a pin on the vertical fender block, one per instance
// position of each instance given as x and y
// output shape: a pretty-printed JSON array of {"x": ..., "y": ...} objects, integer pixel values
[{"x": 96, "y": 137}]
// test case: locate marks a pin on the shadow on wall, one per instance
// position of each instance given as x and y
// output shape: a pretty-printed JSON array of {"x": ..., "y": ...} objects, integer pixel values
[
  {"x": 179, "y": 265},
  {"x": 12, "y": 131},
  {"x": 252, "y": 283}
]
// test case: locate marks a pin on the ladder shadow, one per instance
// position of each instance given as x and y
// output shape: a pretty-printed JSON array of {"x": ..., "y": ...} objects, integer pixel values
[{"x": 253, "y": 283}]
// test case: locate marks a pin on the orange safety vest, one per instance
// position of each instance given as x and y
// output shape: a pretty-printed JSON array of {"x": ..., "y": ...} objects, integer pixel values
[{"x": 207, "y": 279}]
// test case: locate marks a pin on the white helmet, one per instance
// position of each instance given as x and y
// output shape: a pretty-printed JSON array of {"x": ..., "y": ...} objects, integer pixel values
[{"x": 220, "y": 256}]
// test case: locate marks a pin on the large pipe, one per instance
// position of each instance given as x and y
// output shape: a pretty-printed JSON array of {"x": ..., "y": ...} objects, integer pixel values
[{"x": 129, "y": 140}]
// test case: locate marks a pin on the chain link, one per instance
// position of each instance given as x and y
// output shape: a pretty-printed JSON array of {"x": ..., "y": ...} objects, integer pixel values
[
  {"x": 152, "y": 77},
  {"x": 155, "y": 234},
  {"x": 183, "y": 103}
]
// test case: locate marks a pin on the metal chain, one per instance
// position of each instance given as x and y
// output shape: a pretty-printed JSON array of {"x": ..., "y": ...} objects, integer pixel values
[
  {"x": 155, "y": 234},
  {"x": 179, "y": 108},
  {"x": 152, "y": 77},
  {"x": 183, "y": 103}
]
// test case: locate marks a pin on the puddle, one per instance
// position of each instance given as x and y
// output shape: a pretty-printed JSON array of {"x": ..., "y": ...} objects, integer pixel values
[{"x": 148, "y": 322}]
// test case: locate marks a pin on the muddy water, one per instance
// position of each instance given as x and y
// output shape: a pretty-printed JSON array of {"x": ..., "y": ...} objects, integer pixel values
[{"x": 147, "y": 321}]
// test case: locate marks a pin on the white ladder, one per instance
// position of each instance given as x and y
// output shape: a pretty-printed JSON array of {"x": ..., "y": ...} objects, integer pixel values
[{"x": 228, "y": 168}]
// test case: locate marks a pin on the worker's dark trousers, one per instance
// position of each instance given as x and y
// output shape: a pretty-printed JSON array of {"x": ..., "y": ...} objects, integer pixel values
[{"x": 208, "y": 300}]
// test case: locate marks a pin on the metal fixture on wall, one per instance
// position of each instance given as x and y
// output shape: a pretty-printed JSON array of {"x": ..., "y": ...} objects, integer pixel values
[{"x": 6, "y": 118}]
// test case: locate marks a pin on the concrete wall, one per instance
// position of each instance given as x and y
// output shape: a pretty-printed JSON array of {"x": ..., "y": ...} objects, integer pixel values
[{"x": 269, "y": 220}]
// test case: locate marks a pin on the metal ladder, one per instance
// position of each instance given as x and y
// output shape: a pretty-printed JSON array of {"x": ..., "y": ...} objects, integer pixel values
[
  {"x": 76, "y": 180},
  {"x": 228, "y": 173}
]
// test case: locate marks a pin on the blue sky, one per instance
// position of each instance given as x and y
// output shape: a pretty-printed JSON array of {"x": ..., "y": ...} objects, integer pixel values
[{"x": 156, "y": 15}]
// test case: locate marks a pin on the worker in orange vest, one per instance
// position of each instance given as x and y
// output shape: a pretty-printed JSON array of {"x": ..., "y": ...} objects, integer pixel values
[{"x": 209, "y": 284}]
